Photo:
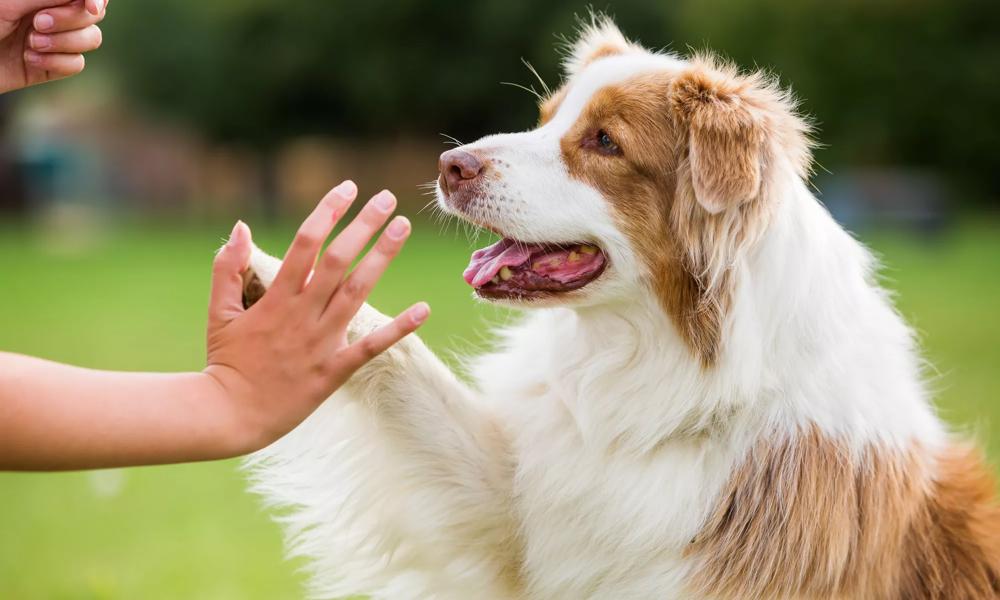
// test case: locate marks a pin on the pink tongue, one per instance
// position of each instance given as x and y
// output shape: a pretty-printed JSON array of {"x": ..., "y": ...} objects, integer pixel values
[{"x": 487, "y": 262}]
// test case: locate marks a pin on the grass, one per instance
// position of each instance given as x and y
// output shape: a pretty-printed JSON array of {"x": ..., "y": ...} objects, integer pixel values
[{"x": 134, "y": 299}]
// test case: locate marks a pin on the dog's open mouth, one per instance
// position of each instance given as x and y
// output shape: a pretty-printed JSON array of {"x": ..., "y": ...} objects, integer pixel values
[{"x": 512, "y": 269}]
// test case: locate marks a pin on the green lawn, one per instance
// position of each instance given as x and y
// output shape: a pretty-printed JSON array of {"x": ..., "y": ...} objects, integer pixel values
[{"x": 135, "y": 300}]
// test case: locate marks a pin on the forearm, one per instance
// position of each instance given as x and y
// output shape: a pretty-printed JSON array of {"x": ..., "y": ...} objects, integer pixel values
[{"x": 56, "y": 417}]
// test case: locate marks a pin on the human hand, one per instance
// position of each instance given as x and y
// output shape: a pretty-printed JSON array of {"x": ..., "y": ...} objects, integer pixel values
[
  {"x": 44, "y": 40},
  {"x": 278, "y": 360}
]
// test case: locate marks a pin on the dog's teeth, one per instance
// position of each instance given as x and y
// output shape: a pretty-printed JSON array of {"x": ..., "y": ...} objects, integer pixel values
[
  {"x": 573, "y": 256},
  {"x": 505, "y": 273},
  {"x": 495, "y": 279},
  {"x": 588, "y": 249}
]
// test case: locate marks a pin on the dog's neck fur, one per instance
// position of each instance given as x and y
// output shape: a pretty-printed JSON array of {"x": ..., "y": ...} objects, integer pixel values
[{"x": 783, "y": 359}]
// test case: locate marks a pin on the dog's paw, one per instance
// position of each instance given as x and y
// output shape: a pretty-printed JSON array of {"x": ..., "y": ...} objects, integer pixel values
[
  {"x": 262, "y": 270},
  {"x": 258, "y": 276}
]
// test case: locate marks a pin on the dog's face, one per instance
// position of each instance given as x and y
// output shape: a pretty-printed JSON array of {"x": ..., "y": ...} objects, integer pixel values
[{"x": 645, "y": 174}]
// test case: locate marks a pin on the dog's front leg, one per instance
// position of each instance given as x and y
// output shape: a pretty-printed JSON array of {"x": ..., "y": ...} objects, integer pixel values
[{"x": 413, "y": 471}]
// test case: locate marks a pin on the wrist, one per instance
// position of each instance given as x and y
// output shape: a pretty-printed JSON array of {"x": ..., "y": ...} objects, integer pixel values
[{"x": 239, "y": 432}]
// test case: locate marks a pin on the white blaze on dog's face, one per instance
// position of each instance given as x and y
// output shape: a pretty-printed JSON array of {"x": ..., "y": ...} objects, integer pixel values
[{"x": 647, "y": 174}]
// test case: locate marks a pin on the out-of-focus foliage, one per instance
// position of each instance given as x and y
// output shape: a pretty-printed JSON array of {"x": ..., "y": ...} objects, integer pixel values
[
  {"x": 889, "y": 82},
  {"x": 911, "y": 82}
]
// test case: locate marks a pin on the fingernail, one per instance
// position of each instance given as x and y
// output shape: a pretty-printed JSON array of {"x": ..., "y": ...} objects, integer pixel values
[
  {"x": 384, "y": 200},
  {"x": 345, "y": 189},
  {"x": 238, "y": 234},
  {"x": 40, "y": 42},
  {"x": 398, "y": 228},
  {"x": 44, "y": 22},
  {"x": 33, "y": 57},
  {"x": 420, "y": 313}
]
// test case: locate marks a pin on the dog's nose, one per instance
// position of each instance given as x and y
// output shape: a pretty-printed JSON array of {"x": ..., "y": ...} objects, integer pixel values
[{"x": 459, "y": 168}]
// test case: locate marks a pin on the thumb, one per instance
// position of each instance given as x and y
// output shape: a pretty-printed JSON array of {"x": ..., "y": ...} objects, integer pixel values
[{"x": 226, "y": 301}]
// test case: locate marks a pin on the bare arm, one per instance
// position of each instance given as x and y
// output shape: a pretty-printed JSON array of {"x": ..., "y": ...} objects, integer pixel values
[
  {"x": 55, "y": 416},
  {"x": 268, "y": 367}
]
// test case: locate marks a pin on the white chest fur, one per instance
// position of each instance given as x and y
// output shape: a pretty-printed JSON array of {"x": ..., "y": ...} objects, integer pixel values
[
  {"x": 592, "y": 521},
  {"x": 604, "y": 507}
]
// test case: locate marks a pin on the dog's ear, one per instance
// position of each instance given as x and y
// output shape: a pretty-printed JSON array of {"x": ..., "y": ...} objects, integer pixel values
[
  {"x": 738, "y": 128},
  {"x": 724, "y": 131},
  {"x": 597, "y": 38}
]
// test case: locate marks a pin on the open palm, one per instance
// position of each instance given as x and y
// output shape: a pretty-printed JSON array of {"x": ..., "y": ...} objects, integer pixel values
[{"x": 44, "y": 40}]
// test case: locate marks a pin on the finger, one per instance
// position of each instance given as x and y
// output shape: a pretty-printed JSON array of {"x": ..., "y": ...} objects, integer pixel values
[
  {"x": 68, "y": 17},
  {"x": 380, "y": 340},
  {"x": 301, "y": 255},
  {"x": 49, "y": 66},
  {"x": 25, "y": 7},
  {"x": 226, "y": 300},
  {"x": 94, "y": 7},
  {"x": 77, "y": 41},
  {"x": 352, "y": 294},
  {"x": 348, "y": 244}
]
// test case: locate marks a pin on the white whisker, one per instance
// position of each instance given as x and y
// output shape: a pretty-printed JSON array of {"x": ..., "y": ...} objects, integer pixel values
[
  {"x": 451, "y": 139},
  {"x": 545, "y": 86},
  {"x": 530, "y": 90}
]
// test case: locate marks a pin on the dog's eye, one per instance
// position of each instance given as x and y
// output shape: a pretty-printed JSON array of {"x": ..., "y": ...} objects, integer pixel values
[{"x": 606, "y": 145}]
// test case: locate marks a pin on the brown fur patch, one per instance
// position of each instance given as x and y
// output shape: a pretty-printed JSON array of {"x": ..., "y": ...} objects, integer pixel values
[
  {"x": 806, "y": 518},
  {"x": 605, "y": 50},
  {"x": 952, "y": 549},
  {"x": 253, "y": 289},
  {"x": 548, "y": 107},
  {"x": 641, "y": 185},
  {"x": 725, "y": 144},
  {"x": 689, "y": 186}
]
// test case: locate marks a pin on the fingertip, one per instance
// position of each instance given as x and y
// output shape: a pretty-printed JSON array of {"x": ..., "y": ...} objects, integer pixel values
[
  {"x": 340, "y": 198},
  {"x": 243, "y": 231},
  {"x": 240, "y": 234},
  {"x": 240, "y": 242},
  {"x": 44, "y": 21},
  {"x": 399, "y": 228},
  {"x": 346, "y": 189},
  {"x": 384, "y": 200},
  {"x": 419, "y": 313}
]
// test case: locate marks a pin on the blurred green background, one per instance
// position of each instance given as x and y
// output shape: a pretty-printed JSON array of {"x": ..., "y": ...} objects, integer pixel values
[{"x": 117, "y": 186}]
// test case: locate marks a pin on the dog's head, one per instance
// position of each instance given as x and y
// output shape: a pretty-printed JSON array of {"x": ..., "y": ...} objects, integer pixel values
[{"x": 647, "y": 173}]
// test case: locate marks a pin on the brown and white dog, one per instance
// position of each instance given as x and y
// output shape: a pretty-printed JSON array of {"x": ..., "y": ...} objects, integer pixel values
[{"x": 710, "y": 397}]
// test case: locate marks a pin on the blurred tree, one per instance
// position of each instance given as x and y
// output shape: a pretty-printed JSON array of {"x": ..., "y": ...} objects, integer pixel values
[
  {"x": 259, "y": 71},
  {"x": 888, "y": 81}
]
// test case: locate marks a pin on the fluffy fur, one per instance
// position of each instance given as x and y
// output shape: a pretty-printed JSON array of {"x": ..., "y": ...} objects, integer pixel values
[{"x": 732, "y": 410}]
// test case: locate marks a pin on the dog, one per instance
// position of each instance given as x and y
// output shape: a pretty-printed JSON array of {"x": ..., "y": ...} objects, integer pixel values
[{"x": 710, "y": 396}]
